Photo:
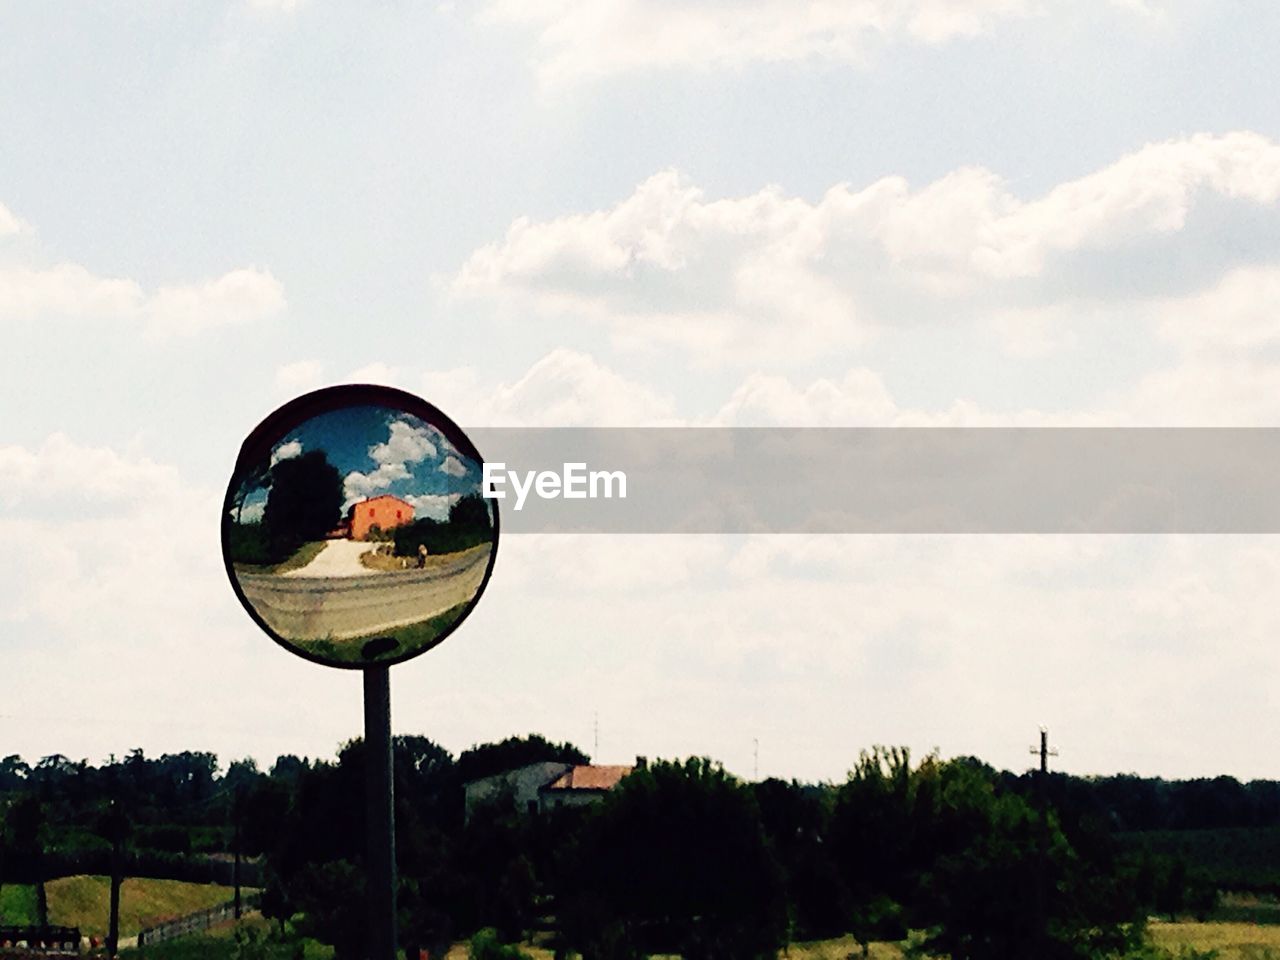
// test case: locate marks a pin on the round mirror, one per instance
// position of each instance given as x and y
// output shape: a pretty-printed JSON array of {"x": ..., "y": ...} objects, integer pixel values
[{"x": 354, "y": 530}]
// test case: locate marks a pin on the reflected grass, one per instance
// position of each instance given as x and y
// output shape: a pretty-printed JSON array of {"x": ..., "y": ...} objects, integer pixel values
[
  {"x": 411, "y": 637},
  {"x": 295, "y": 561}
]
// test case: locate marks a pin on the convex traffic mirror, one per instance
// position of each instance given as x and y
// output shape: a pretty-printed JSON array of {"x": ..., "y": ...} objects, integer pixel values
[{"x": 354, "y": 530}]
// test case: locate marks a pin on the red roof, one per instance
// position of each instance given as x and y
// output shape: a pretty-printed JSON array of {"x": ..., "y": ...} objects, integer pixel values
[
  {"x": 384, "y": 496},
  {"x": 589, "y": 777},
  {"x": 381, "y": 496}
]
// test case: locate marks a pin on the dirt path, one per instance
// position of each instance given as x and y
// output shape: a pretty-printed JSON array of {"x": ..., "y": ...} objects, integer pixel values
[{"x": 338, "y": 558}]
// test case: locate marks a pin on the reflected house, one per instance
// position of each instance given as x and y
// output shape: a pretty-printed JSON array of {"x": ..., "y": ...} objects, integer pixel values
[{"x": 385, "y": 512}]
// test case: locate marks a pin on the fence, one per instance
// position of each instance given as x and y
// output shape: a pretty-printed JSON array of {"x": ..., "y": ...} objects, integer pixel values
[{"x": 197, "y": 922}]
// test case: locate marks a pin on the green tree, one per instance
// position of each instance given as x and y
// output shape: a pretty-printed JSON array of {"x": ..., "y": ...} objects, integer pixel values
[
  {"x": 1004, "y": 881},
  {"x": 488, "y": 759},
  {"x": 305, "y": 502},
  {"x": 331, "y": 899},
  {"x": 471, "y": 513},
  {"x": 257, "y": 477},
  {"x": 874, "y": 833},
  {"x": 675, "y": 861},
  {"x": 13, "y": 773},
  {"x": 25, "y": 823},
  {"x": 796, "y": 819}
]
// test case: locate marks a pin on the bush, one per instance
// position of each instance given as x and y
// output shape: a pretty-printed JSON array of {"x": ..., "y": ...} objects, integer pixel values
[
  {"x": 248, "y": 543},
  {"x": 468, "y": 526},
  {"x": 485, "y": 945}
]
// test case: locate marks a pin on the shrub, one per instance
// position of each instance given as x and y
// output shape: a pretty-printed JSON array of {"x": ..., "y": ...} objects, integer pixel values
[
  {"x": 486, "y": 945},
  {"x": 248, "y": 543}
]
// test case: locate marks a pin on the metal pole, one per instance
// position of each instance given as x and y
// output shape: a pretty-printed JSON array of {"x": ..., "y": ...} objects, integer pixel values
[
  {"x": 380, "y": 824},
  {"x": 113, "y": 921},
  {"x": 235, "y": 868}
]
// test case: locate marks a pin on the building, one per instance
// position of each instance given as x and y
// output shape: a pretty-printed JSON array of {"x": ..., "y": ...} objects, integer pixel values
[
  {"x": 581, "y": 785},
  {"x": 385, "y": 512},
  {"x": 539, "y": 787}
]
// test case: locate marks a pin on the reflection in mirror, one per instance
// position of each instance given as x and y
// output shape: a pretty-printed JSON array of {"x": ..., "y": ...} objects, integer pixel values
[{"x": 358, "y": 534}]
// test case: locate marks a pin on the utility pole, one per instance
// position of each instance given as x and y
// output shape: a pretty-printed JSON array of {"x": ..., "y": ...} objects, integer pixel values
[
  {"x": 1042, "y": 866},
  {"x": 595, "y": 749},
  {"x": 1045, "y": 753},
  {"x": 755, "y": 758}
]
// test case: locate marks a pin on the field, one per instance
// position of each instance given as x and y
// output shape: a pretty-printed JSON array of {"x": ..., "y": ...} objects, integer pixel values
[
  {"x": 1233, "y": 941},
  {"x": 17, "y": 903},
  {"x": 84, "y": 902}
]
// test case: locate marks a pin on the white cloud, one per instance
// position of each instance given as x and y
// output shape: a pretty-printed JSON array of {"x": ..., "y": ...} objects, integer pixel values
[
  {"x": 987, "y": 630},
  {"x": 769, "y": 278},
  {"x": 453, "y": 467},
  {"x": 861, "y": 398},
  {"x": 275, "y": 6},
  {"x": 299, "y": 376},
  {"x": 66, "y": 290},
  {"x": 433, "y": 505},
  {"x": 359, "y": 486},
  {"x": 9, "y": 222},
  {"x": 586, "y": 38},
  {"x": 1239, "y": 313},
  {"x": 566, "y": 388},
  {"x": 377, "y": 373},
  {"x": 240, "y": 297},
  {"x": 407, "y": 444},
  {"x": 104, "y": 544},
  {"x": 63, "y": 470},
  {"x": 69, "y": 291},
  {"x": 286, "y": 451},
  {"x": 252, "y": 512}
]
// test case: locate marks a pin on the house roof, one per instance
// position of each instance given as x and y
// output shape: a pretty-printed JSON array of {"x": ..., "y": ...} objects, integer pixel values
[
  {"x": 384, "y": 496},
  {"x": 589, "y": 777}
]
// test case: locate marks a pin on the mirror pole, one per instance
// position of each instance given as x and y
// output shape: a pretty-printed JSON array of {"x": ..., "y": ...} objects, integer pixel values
[{"x": 380, "y": 824}]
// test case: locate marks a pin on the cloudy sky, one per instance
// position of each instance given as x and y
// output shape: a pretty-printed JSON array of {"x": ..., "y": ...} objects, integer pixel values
[
  {"x": 377, "y": 450},
  {"x": 580, "y": 212}
]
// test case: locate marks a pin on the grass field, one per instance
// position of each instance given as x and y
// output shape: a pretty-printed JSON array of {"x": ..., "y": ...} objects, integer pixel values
[
  {"x": 17, "y": 903},
  {"x": 1233, "y": 941},
  {"x": 296, "y": 561},
  {"x": 84, "y": 902}
]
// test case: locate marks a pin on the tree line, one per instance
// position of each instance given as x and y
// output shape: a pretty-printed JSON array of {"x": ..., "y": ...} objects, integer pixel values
[{"x": 681, "y": 857}]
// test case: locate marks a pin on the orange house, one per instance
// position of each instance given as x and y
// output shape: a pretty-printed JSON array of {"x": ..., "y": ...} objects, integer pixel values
[{"x": 385, "y": 512}]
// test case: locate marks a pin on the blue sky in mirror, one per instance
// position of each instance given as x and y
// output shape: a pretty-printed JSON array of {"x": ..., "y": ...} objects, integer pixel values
[{"x": 380, "y": 450}]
